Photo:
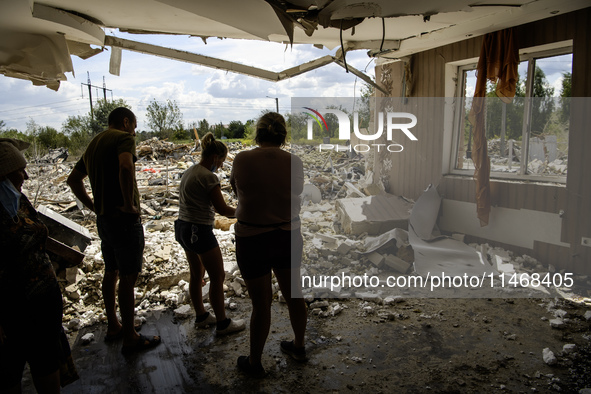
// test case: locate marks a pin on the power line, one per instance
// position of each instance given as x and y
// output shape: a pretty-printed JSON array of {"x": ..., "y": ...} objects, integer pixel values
[
  {"x": 38, "y": 115},
  {"x": 39, "y": 105}
]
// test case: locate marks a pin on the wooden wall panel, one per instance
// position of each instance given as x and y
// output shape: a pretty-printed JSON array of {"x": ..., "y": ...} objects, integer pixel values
[{"x": 421, "y": 163}]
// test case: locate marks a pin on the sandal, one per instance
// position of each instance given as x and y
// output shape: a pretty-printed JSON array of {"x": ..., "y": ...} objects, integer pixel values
[
  {"x": 252, "y": 371},
  {"x": 143, "y": 343}
]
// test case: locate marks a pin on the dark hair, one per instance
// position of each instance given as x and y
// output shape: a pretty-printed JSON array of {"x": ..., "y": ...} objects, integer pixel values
[
  {"x": 271, "y": 128},
  {"x": 211, "y": 146},
  {"x": 118, "y": 115}
]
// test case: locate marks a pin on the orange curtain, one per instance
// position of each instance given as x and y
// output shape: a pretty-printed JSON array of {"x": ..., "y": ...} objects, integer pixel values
[{"x": 499, "y": 58}]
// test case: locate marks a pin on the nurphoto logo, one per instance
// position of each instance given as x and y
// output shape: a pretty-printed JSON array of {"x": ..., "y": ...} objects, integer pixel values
[{"x": 395, "y": 121}]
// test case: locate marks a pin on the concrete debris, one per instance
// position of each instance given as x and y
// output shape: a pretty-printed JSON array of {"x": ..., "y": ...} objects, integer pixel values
[
  {"x": 391, "y": 300},
  {"x": 556, "y": 323},
  {"x": 341, "y": 211},
  {"x": 183, "y": 312},
  {"x": 374, "y": 214},
  {"x": 569, "y": 348},
  {"x": 588, "y": 315},
  {"x": 87, "y": 338},
  {"x": 155, "y": 149},
  {"x": 54, "y": 156},
  {"x": 548, "y": 356}
]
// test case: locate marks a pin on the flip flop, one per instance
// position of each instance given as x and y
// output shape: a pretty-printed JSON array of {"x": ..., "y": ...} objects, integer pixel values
[{"x": 143, "y": 343}]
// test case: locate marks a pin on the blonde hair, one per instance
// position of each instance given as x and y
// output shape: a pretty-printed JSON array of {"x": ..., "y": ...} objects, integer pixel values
[
  {"x": 211, "y": 146},
  {"x": 271, "y": 128}
]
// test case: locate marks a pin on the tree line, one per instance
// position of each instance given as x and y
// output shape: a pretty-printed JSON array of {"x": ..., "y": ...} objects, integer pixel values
[{"x": 164, "y": 120}]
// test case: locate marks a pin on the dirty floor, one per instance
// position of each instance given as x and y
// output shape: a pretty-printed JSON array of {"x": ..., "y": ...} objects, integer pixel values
[{"x": 418, "y": 345}]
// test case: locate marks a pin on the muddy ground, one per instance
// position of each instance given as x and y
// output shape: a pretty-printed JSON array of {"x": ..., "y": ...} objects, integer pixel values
[{"x": 425, "y": 345}]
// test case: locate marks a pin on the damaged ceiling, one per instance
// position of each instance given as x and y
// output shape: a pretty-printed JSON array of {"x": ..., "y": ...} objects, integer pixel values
[{"x": 38, "y": 38}]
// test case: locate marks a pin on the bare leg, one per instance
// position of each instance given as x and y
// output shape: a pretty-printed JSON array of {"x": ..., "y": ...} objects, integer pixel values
[
  {"x": 261, "y": 294},
  {"x": 109, "y": 288},
  {"x": 126, "y": 306},
  {"x": 47, "y": 384},
  {"x": 298, "y": 314},
  {"x": 196, "y": 276},
  {"x": 213, "y": 262}
]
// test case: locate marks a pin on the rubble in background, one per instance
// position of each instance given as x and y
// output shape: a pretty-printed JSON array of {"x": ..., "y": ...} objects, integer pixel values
[
  {"x": 163, "y": 282},
  {"x": 58, "y": 155},
  {"x": 545, "y": 158}
]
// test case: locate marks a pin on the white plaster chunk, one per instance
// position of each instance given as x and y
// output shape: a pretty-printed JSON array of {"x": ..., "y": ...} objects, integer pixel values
[
  {"x": 556, "y": 323},
  {"x": 502, "y": 266},
  {"x": 569, "y": 348},
  {"x": 548, "y": 356},
  {"x": 72, "y": 292},
  {"x": 374, "y": 214},
  {"x": 336, "y": 309},
  {"x": 319, "y": 304},
  {"x": 183, "y": 311},
  {"x": 87, "y": 338},
  {"x": 391, "y": 300}
]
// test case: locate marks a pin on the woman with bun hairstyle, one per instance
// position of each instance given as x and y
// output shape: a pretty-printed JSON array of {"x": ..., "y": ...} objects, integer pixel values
[
  {"x": 268, "y": 182},
  {"x": 200, "y": 196}
]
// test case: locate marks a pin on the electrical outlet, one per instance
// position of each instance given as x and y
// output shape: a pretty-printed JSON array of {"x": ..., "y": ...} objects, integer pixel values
[{"x": 586, "y": 241}]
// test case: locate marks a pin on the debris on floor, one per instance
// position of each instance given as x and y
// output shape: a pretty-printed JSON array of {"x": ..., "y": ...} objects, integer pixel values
[{"x": 345, "y": 236}]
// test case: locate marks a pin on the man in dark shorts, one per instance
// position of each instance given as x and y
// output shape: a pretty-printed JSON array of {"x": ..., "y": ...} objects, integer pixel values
[{"x": 109, "y": 164}]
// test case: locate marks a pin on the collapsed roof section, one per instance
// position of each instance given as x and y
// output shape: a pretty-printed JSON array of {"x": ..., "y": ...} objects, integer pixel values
[{"x": 38, "y": 38}]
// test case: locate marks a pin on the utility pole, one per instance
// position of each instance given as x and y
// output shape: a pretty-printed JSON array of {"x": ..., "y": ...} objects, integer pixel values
[
  {"x": 90, "y": 86},
  {"x": 90, "y": 96},
  {"x": 276, "y": 102}
]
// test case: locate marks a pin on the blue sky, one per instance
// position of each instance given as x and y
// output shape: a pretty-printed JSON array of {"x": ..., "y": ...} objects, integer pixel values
[{"x": 200, "y": 92}]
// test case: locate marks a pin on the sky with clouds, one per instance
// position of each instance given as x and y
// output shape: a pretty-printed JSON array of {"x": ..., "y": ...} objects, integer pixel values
[{"x": 200, "y": 92}]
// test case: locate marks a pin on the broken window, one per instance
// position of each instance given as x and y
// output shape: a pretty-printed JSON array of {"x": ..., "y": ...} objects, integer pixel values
[{"x": 529, "y": 136}]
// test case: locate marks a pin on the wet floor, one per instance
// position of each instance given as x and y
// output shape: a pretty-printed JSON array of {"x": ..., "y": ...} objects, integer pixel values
[{"x": 430, "y": 345}]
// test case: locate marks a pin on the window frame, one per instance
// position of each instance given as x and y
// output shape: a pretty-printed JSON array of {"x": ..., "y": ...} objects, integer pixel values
[{"x": 531, "y": 55}]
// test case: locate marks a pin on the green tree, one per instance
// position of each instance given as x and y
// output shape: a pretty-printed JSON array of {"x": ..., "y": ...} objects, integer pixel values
[
  {"x": 164, "y": 118},
  {"x": 367, "y": 93},
  {"x": 99, "y": 120},
  {"x": 203, "y": 127},
  {"x": 236, "y": 129},
  {"x": 543, "y": 102},
  {"x": 14, "y": 133},
  {"x": 180, "y": 134},
  {"x": 565, "y": 95},
  {"x": 78, "y": 130},
  {"x": 49, "y": 138},
  {"x": 220, "y": 131},
  {"x": 298, "y": 125}
]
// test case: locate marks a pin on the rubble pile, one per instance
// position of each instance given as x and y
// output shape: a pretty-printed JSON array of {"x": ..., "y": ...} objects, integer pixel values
[
  {"x": 550, "y": 164},
  {"x": 329, "y": 250},
  {"x": 156, "y": 149}
]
